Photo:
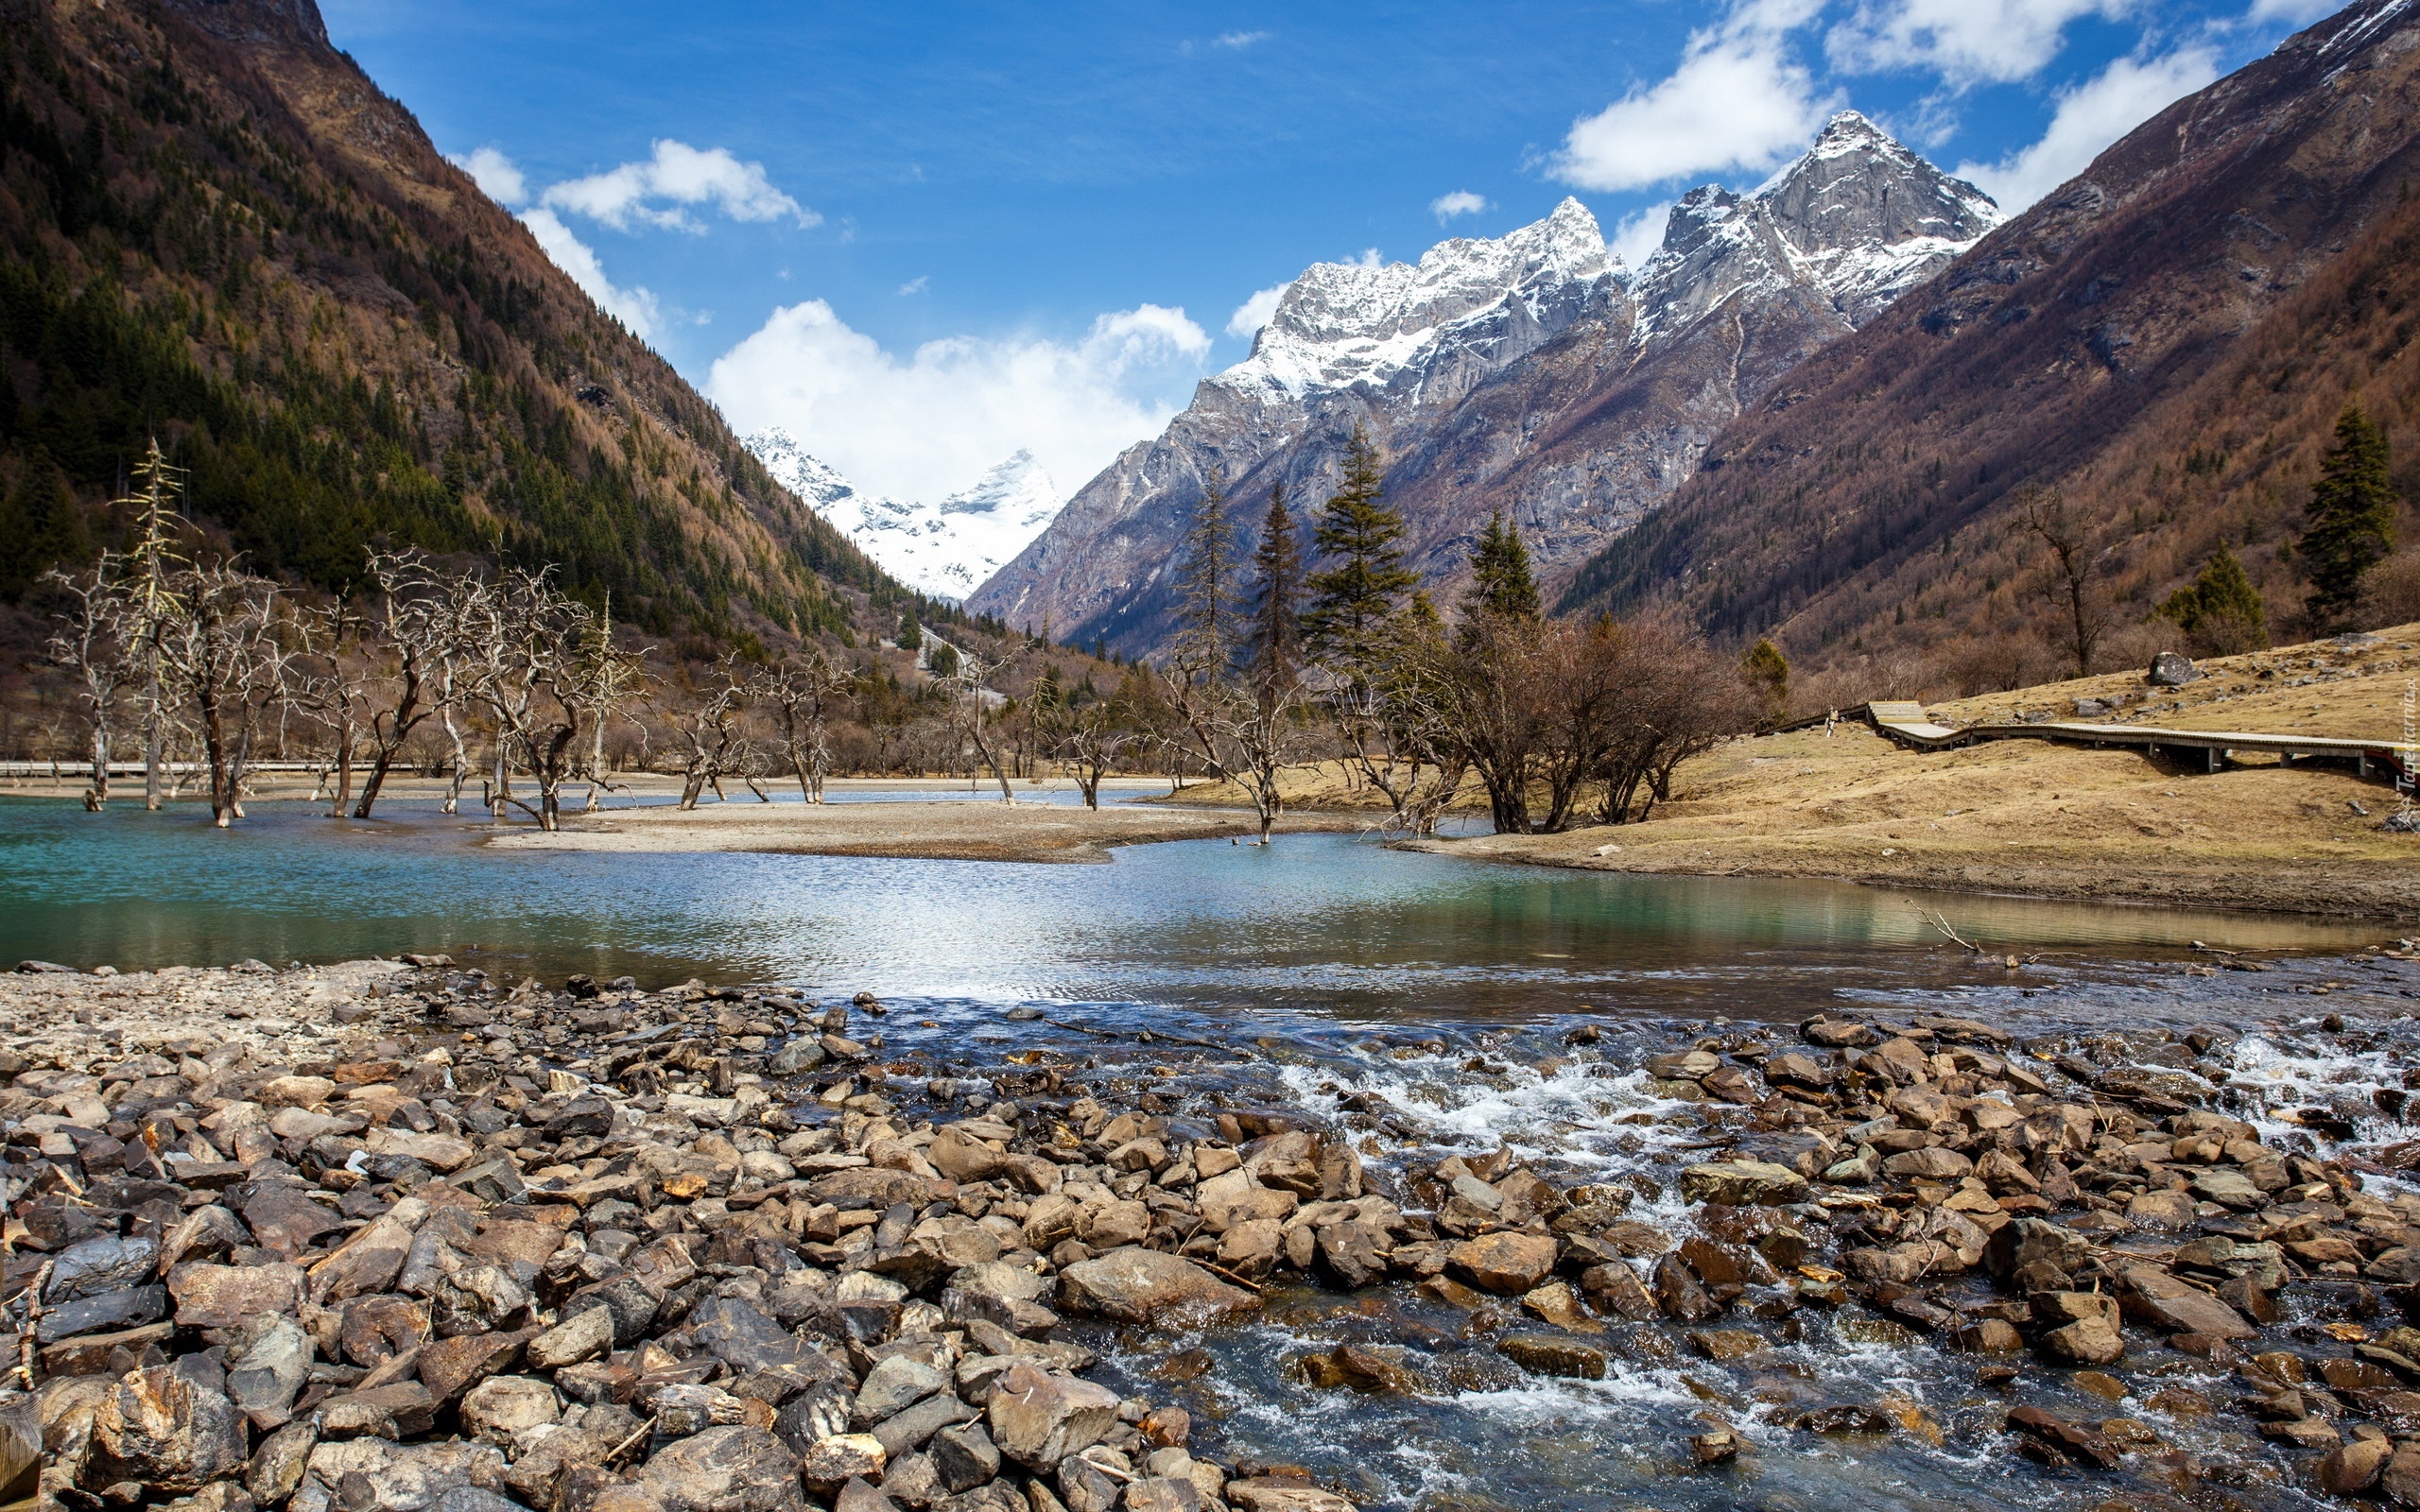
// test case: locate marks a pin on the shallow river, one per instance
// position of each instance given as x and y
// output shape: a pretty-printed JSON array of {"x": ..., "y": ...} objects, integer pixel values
[{"x": 1423, "y": 1000}]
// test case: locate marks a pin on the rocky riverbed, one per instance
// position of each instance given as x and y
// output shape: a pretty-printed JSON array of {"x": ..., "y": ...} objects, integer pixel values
[{"x": 399, "y": 1235}]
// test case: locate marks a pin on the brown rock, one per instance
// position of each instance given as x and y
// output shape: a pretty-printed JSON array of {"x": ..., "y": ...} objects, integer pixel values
[
  {"x": 1743, "y": 1184},
  {"x": 221, "y": 1296},
  {"x": 449, "y": 1367},
  {"x": 1145, "y": 1286},
  {"x": 1038, "y": 1420},
  {"x": 2355, "y": 1467},
  {"x": 729, "y": 1468},
  {"x": 1615, "y": 1288},
  {"x": 1508, "y": 1264},
  {"x": 1271, "y": 1494},
  {"x": 2087, "y": 1341},
  {"x": 160, "y": 1429},
  {"x": 2161, "y": 1298}
]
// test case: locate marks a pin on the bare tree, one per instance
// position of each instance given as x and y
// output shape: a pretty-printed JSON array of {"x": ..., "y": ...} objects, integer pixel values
[
  {"x": 712, "y": 731},
  {"x": 1241, "y": 733},
  {"x": 805, "y": 692},
  {"x": 523, "y": 637},
  {"x": 1396, "y": 740},
  {"x": 417, "y": 621},
  {"x": 329, "y": 685},
  {"x": 219, "y": 649},
  {"x": 974, "y": 705},
  {"x": 2075, "y": 567},
  {"x": 1088, "y": 739},
  {"x": 91, "y": 642},
  {"x": 608, "y": 680}
]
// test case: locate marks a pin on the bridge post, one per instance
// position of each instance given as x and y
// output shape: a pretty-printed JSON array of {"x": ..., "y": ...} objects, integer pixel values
[
  {"x": 2213, "y": 753},
  {"x": 2285, "y": 758},
  {"x": 2361, "y": 765}
]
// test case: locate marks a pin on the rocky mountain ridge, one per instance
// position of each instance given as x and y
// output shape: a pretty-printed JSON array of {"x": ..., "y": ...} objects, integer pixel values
[
  {"x": 1531, "y": 372},
  {"x": 943, "y": 549},
  {"x": 2167, "y": 340}
]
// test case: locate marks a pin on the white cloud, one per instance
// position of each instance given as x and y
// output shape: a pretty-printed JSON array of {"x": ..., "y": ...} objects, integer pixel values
[
  {"x": 1255, "y": 312},
  {"x": 1965, "y": 42},
  {"x": 1461, "y": 202},
  {"x": 1238, "y": 40},
  {"x": 685, "y": 176},
  {"x": 920, "y": 426},
  {"x": 496, "y": 175},
  {"x": 2090, "y": 117},
  {"x": 1736, "y": 101},
  {"x": 1369, "y": 258},
  {"x": 634, "y": 306},
  {"x": 914, "y": 285},
  {"x": 1638, "y": 234}
]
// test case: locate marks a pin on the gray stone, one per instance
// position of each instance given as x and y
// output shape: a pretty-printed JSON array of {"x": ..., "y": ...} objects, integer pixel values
[
  {"x": 732, "y": 1468},
  {"x": 2170, "y": 670},
  {"x": 584, "y": 1335},
  {"x": 263, "y": 1375},
  {"x": 964, "y": 1457},
  {"x": 892, "y": 1386}
]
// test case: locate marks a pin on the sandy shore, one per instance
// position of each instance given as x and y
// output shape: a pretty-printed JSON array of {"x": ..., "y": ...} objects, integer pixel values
[{"x": 926, "y": 831}]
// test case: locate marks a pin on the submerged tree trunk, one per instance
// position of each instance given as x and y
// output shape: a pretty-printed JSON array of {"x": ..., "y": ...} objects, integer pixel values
[{"x": 100, "y": 792}]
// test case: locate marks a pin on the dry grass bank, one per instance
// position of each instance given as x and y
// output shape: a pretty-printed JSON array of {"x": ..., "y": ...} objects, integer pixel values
[{"x": 2036, "y": 817}]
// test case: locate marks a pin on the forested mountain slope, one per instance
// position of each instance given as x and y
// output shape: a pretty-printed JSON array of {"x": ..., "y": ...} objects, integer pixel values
[
  {"x": 2167, "y": 341},
  {"x": 214, "y": 227}
]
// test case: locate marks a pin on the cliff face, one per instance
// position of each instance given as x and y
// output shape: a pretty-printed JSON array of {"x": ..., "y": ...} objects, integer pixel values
[
  {"x": 2166, "y": 339},
  {"x": 1531, "y": 373},
  {"x": 213, "y": 226}
]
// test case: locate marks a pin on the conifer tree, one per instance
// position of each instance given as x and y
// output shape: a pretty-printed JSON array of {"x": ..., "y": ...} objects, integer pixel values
[
  {"x": 1205, "y": 579},
  {"x": 1275, "y": 635},
  {"x": 1768, "y": 674},
  {"x": 2352, "y": 520},
  {"x": 2220, "y": 612},
  {"x": 1501, "y": 582},
  {"x": 1354, "y": 598}
]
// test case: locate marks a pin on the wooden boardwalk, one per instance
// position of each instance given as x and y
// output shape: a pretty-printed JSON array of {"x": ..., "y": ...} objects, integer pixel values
[{"x": 1906, "y": 722}]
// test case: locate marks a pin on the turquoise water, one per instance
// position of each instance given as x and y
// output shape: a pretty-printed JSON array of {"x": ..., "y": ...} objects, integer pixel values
[{"x": 1314, "y": 922}]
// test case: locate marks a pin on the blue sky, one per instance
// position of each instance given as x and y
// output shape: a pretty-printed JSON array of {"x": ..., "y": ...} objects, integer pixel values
[{"x": 920, "y": 236}]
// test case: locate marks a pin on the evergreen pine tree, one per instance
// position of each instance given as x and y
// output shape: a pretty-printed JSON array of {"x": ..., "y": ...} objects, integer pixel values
[
  {"x": 1768, "y": 674},
  {"x": 1501, "y": 582},
  {"x": 2221, "y": 610},
  {"x": 911, "y": 635},
  {"x": 1354, "y": 598},
  {"x": 1276, "y": 634},
  {"x": 2352, "y": 520},
  {"x": 1205, "y": 579}
]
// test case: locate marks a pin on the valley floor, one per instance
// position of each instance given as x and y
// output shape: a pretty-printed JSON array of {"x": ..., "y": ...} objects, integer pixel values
[{"x": 2040, "y": 819}]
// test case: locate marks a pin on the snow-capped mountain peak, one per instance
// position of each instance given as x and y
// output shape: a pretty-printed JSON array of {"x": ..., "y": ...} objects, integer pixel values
[
  {"x": 800, "y": 472},
  {"x": 1383, "y": 325},
  {"x": 1858, "y": 215},
  {"x": 944, "y": 548}
]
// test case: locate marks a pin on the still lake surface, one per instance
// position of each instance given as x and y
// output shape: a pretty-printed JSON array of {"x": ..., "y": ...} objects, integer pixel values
[{"x": 1313, "y": 922}]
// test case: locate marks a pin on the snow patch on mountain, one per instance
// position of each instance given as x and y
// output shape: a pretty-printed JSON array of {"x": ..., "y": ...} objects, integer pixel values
[{"x": 945, "y": 549}]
